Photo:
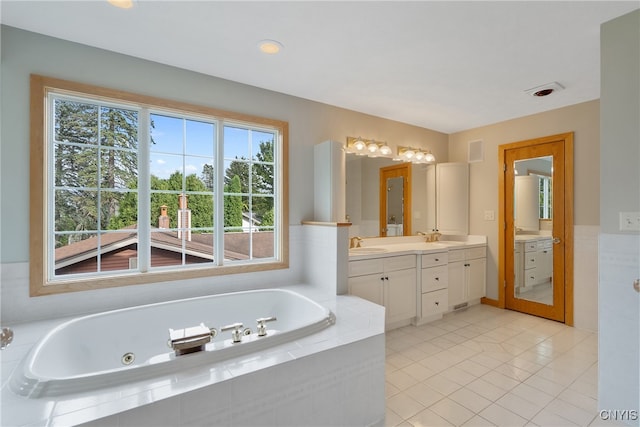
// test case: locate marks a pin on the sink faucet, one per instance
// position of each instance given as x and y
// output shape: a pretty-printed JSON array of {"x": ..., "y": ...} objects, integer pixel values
[{"x": 354, "y": 242}]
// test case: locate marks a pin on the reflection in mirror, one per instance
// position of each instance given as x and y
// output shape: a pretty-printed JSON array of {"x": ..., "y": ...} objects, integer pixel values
[
  {"x": 363, "y": 196},
  {"x": 533, "y": 219},
  {"x": 395, "y": 206}
]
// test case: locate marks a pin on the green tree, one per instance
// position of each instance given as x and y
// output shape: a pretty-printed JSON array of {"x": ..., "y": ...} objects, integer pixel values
[
  {"x": 78, "y": 128},
  {"x": 233, "y": 203},
  {"x": 201, "y": 205}
]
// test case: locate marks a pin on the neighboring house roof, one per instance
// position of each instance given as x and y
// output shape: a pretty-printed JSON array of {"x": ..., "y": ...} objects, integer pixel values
[{"x": 200, "y": 246}]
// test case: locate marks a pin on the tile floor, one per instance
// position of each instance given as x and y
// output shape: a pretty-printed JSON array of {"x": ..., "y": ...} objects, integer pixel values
[{"x": 485, "y": 366}]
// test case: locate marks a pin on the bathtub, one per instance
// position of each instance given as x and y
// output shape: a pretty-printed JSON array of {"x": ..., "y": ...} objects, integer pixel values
[{"x": 127, "y": 345}]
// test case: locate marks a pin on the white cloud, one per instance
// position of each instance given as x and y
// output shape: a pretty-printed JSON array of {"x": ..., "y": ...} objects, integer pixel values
[{"x": 161, "y": 162}]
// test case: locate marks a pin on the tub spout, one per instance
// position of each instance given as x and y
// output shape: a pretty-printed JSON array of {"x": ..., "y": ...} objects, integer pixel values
[{"x": 189, "y": 340}]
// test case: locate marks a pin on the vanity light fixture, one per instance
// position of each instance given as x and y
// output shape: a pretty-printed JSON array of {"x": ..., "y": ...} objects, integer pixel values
[
  {"x": 408, "y": 154},
  {"x": 364, "y": 147}
]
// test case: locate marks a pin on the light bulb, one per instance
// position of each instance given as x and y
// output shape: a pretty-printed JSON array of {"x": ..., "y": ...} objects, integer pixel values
[
  {"x": 359, "y": 145},
  {"x": 429, "y": 158},
  {"x": 372, "y": 147},
  {"x": 419, "y": 155},
  {"x": 385, "y": 150},
  {"x": 409, "y": 153}
]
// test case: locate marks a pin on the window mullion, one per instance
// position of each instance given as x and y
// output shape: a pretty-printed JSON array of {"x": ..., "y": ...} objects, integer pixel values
[
  {"x": 218, "y": 196},
  {"x": 144, "y": 191}
]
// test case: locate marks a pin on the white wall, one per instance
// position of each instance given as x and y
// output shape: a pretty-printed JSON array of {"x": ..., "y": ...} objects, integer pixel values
[{"x": 619, "y": 258}]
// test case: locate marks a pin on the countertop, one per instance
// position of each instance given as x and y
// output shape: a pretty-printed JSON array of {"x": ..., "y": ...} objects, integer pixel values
[{"x": 377, "y": 247}]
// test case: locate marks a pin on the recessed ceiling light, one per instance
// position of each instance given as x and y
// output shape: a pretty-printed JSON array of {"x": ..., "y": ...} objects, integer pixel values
[
  {"x": 122, "y": 4},
  {"x": 270, "y": 47}
]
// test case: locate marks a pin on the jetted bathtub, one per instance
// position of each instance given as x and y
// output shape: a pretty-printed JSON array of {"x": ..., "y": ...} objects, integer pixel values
[{"x": 131, "y": 344}]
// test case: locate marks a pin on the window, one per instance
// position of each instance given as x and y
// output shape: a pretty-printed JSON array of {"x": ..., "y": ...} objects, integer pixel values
[{"x": 130, "y": 189}]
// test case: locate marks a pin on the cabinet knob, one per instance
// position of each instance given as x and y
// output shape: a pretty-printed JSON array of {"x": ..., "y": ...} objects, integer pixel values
[
  {"x": 437, "y": 303},
  {"x": 437, "y": 259},
  {"x": 437, "y": 278}
]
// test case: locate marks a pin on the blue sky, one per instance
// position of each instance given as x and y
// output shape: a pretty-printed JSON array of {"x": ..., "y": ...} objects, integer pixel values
[{"x": 170, "y": 133}]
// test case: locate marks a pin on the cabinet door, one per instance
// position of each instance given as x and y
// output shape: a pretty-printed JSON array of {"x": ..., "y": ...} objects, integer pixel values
[
  {"x": 452, "y": 198},
  {"x": 476, "y": 278},
  {"x": 457, "y": 292},
  {"x": 367, "y": 287},
  {"x": 400, "y": 295}
]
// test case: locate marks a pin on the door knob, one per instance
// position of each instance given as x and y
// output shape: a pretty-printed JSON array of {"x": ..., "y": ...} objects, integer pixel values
[
  {"x": 556, "y": 240},
  {"x": 636, "y": 285}
]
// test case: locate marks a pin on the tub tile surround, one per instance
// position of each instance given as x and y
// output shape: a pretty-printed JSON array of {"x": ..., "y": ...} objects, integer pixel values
[{"x": 279, "y": 386}]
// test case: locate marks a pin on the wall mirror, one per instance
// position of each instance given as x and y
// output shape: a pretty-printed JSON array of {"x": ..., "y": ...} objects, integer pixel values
[
  {"x": 363, "y": 198},
  {"x": 395, "y": 200},
  {"x": 533, "y": 225}
]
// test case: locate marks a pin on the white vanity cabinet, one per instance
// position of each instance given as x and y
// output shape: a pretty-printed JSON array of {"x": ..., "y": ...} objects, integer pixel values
[
  {"x": 467, "y": 275},
  {"x": 447, "y": 198},
  {"x": 533, "y": 262},
  {"x": 389, "y": 281},
  {"x": 434, "y": 283}
]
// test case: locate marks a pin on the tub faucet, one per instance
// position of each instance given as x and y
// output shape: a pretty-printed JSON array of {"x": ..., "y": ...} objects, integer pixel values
[
  {"x": 262, "y": 329},
  {"x": 236, "y": 331}
]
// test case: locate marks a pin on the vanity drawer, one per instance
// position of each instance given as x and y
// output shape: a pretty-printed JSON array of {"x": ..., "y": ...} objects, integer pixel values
[
  {"x": 365, "y": 266},
  {"x": 473, "y": 253},
  {"x": 434, "y": 278},
  {"x": 530, "y": 260},
  {"x": 530, "y": 278},
  {"x": 401, "y": 262},
  {"x": 531, "y": 245},
  {"x": 456, "y": 255},
  {"x": 435, "y": 302},
  {"x": 435, "y": 259}
]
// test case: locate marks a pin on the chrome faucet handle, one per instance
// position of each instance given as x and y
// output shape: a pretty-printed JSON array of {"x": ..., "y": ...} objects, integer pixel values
[
  {"x": 236, "y": 335},
  {"x": 262, "y": 329}
]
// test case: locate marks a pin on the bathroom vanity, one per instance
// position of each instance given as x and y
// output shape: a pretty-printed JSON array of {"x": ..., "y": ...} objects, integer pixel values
[{"x": 417, "y": 281}]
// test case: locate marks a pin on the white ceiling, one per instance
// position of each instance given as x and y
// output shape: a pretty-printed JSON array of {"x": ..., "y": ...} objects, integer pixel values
[{"x": 447, "y": 66}]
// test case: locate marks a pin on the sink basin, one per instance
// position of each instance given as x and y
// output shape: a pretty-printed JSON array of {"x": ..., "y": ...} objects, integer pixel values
[{"x": 366, "y": 251}]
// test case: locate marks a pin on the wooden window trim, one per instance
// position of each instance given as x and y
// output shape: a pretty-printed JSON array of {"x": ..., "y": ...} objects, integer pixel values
[{"x": 39, "y": 285}]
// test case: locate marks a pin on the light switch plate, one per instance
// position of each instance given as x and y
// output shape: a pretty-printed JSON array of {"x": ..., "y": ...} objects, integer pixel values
[
  {"x": 629, "y": 221},
  {"x": 489, "y": 215}
]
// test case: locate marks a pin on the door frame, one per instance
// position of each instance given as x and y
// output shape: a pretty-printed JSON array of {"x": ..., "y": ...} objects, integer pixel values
[
  {"x": 394, "y": 171},
  {"x": 567, "y": 140}
]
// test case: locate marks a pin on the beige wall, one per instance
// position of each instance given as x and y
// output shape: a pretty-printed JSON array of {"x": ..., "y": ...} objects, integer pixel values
[{"x": 582, "y": 119}]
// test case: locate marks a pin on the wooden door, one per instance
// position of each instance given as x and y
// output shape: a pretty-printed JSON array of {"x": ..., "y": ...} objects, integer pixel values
[{"x": 539, "y": 293}]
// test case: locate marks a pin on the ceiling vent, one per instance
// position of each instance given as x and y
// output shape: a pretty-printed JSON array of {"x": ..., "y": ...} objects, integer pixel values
[{"x": 544, "y": 90}]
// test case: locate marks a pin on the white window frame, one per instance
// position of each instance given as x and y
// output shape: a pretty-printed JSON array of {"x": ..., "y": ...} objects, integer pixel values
[{"x": 42, "y": 278}]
